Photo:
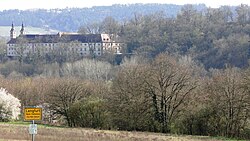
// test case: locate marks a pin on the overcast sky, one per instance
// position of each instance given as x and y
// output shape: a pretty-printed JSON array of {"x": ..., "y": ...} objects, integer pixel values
[{"x": 50, "y": 4}]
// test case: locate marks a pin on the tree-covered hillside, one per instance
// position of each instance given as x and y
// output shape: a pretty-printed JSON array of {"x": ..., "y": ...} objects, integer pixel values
[
  {"x": 215, "y": 37},
  {"x": 71, "y": 19},
  {"x": 182, "y": 74}
]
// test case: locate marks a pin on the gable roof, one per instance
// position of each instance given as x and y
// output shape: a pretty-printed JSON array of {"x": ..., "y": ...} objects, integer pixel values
[{"x": 56, "y": 38}]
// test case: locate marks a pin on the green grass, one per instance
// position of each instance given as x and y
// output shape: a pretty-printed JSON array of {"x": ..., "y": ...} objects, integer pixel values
[
  {"x": 28, "y": 123},
  {"x": 227, "y": 139},
  {"x": 5, "y": 30},
  {"x": 16, "y": 122}
]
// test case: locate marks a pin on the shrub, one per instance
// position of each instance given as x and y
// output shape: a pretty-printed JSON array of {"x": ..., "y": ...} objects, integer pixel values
[{"x": 90, "y": 112}]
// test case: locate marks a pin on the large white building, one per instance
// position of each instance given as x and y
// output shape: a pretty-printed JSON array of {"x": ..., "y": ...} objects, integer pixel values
[{"x": 81, "y": 44}]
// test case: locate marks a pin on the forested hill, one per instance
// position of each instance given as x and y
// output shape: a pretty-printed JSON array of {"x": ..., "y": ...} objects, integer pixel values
[
  {"x": 215, "y": 37},
  {"x": 70, "y": 19}
]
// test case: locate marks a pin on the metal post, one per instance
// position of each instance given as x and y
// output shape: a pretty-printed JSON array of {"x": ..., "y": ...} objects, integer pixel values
[{"x": 33, "y": 135}]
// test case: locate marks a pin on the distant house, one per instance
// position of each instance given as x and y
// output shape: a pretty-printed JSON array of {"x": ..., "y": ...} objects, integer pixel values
[{"x": 81, "y": 44}]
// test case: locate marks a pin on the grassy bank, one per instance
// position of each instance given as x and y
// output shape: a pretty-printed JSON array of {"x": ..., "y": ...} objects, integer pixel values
[{"x": 19, "y": 132}]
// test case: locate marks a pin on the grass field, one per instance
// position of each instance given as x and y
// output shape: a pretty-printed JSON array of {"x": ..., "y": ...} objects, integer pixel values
[
  {"x": 19, "y": 132},
  {"x": 5, "y": 30}
]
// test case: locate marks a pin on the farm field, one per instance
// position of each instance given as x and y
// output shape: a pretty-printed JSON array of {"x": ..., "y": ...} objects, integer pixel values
[
  {"x": 5, "y": 30},
  {"x": 14, "y": 132}
]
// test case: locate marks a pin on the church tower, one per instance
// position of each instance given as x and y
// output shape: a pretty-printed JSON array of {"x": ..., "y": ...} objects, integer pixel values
[
  {"x": 12, "y": 32},
  {"x": 22, "y": 30}
]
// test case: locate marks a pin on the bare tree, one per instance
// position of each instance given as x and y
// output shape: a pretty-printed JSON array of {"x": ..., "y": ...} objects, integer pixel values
[
  {"x": 155, "y": 91},
  {"x": 64, "y": 94},
  {"x": 94, "y": 28},
  {"x": 130, "y": 103},
  {"x": 21, "y": 49},
  {"x": 88, "y": 69},
  {"x": 169, "y": 86},
  {"x": 110, "y": 26},
  {"x": 231, "y": 98}
]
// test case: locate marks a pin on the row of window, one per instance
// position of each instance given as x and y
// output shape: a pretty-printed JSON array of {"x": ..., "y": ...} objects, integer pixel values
[
  {"x": 12, "y": 48},
  {"x": 97, "y": 53},
  {"x": 113, "y": 44},
  {"x": 48, "y": 49},
  {"x": 52, "y": 45},
  {"x": 104, "y": 39},
  {"x": 13, "y": 53},
  {"x": 73, "y": 49},
  {"x": 55, "y": 44}
]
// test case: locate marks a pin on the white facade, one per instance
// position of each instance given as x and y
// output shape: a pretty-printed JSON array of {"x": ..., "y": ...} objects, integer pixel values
[
  {"x": 110, "y": 44},
  {"x": 81, "y": 48}
]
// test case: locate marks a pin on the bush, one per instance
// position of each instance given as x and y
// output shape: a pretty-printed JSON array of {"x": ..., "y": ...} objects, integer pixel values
[
  {"x": 90, "y": 112},
  {"x": 245, "y": 134}
]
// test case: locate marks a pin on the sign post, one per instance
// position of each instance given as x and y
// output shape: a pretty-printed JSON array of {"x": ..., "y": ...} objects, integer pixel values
[
  {"x": 33, "y": 130},
  {"x": 33, "y": 114}
]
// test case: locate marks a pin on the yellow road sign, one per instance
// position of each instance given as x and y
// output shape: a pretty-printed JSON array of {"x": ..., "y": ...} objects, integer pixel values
[{"x": 31, "y": 113}]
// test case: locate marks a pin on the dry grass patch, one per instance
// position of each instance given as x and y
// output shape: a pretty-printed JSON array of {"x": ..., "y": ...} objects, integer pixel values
[{"x": 10, "y": 132}]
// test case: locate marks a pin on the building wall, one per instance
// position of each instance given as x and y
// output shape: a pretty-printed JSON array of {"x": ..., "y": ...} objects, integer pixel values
[
  {"x": 83, "y": 49},
  {"x": 110, "y": 45},
  {"x": 107, "y": 44}
]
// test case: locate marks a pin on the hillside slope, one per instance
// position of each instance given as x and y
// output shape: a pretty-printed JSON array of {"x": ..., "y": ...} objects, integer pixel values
[{"x": 70, "y": 19}]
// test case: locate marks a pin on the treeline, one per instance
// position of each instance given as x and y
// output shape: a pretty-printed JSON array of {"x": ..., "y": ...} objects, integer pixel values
[
  {"x": 215, "y": 37},
  {"x": 169, "y": 94},
  {"x": 70, "y": 19}
]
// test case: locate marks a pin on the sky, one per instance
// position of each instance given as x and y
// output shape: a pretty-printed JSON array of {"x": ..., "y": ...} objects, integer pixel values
[{"x": 51, "y": 4}]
